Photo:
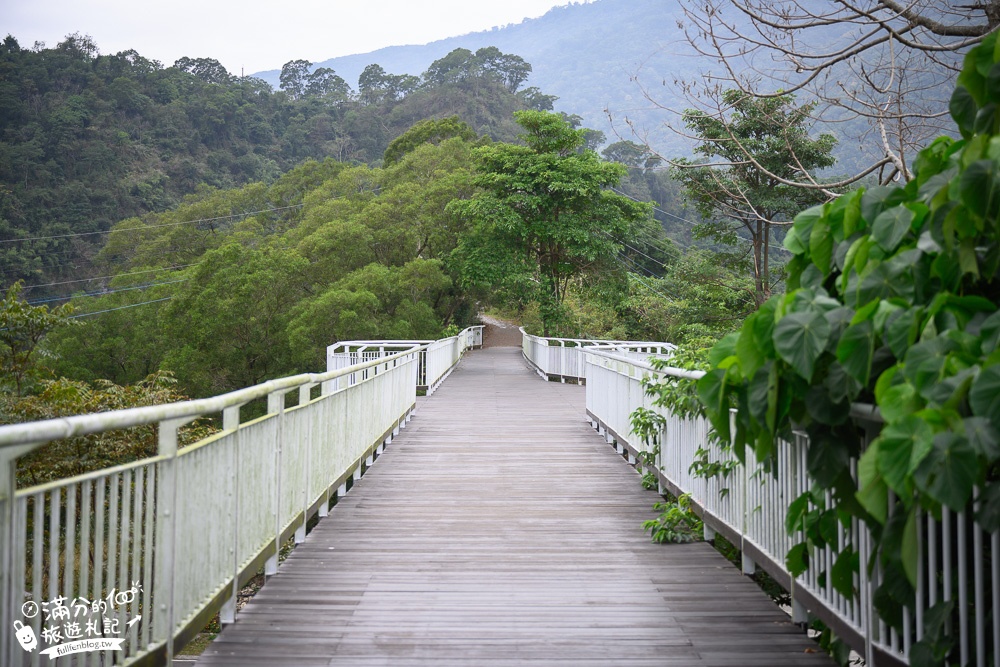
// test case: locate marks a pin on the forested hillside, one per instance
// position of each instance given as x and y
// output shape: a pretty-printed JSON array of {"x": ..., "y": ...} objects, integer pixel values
[
  {"x": 235, "y": 286},
  {"x": 88, "y": 139},
  {"x": 583, "y": 53}
]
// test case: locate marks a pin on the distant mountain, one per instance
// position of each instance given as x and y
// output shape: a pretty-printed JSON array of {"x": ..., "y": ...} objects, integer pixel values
[
  {"x": 586, "y": 54},
  {"x": 601, "y": 55}
]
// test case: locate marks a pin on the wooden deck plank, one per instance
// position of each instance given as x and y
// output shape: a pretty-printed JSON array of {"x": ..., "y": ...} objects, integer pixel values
[{"x": 499, "y": 529}]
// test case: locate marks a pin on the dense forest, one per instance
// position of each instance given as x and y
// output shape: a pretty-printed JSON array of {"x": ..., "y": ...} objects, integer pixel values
[
  {"x": 88, "y": 139},
  {"x": 186, "y": 221}
]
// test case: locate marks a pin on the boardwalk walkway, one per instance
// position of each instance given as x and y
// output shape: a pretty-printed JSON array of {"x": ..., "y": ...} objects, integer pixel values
[{"x": 499, "y": 529}]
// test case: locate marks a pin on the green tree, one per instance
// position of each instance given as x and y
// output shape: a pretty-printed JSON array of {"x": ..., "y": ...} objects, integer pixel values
[
  {"x": 432, "y": 130},
  {"x": 738, "y": 185},
  {"x": 22, "y": 329},
  {"x": 892, "y": 299},
  {"x": 544, "y": 214},
  {"x": 324, "y": 82},
  {"x": 631, "y": 154},
  {"x": 294, "y": 77},
  {"x": 67, "y": 457},
  {"x": 228, "y": 323}
]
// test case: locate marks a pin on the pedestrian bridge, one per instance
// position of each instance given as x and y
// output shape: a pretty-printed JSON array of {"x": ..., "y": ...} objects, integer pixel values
[{"x": 496, "y": 520}]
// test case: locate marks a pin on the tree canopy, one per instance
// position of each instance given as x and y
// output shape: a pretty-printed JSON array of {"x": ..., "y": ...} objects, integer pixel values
[
  {"x": 544, "y": 214},
  {"x": 741, "y": 185}
]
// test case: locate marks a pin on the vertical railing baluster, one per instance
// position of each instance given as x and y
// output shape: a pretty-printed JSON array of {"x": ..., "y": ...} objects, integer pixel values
[
  {"x": 147, "y": 599},
  {"x": 166, "y": 537},
  {"x": 231, "y": 422}
]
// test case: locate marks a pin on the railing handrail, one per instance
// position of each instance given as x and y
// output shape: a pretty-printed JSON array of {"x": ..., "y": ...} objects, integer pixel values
[
  {"x": 40, "y": 432},
  {"x": 470, "y": 337},
  {"x": 554, "y": 359},
  {"x": 263, "y": 479}
]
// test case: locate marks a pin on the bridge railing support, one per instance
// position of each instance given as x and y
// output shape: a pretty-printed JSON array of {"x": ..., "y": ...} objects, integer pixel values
[
  {"x": 170, "y": 540},
  {"x": 436, "y": 360},
  {"x": 957, "y": 560},
  {"x": 563, "y": 358}
]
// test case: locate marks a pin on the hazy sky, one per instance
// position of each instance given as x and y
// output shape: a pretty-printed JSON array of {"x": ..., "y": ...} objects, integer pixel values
[{"x": 257, "y": 35}]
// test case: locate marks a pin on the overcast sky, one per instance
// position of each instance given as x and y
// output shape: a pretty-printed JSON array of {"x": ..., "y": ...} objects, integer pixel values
[{"x": 256, "y": 35}]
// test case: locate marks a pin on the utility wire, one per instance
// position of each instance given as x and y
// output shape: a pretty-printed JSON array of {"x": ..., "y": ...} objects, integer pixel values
[
  {"x": 166, "y": 224},
  {"x": 34, "y": 302},
  {"x": 643, "y": 282},
  {"x": 655, "y": 208},
  {"x": 131, "y": 273},
  {"x": 133, "y": 305}
]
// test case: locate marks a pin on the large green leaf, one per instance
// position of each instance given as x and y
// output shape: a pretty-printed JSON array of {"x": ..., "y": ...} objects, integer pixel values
[
  {"x": 990, "y": 332},
  {"x": 924, "y": 362},
  {"x": 800, "y": 339},
  {"x": 840, "y": 384},
  {"x": 843, "y": 571},
  {"x": 877, "y": 199},
  {"x": 891, "y": 226},
  {"x": 988, "y": 514},
  {"x": 821, "y": 245},
  {"x": 948, "y": 473},
  {"x": 797, "y": 559},
  {"x": 712, "y": 395},
  {"x": 827, "y": 456},
  {"x": 748, "y": 352},
  {"x": 796, "y": 511},
  {"x": 902, "y": 330},
  {"x": 910, "y": 547},
  {"x": 902, "y": 447},
  {"x": 855, "y": 350},
  {"x": 873, "y": 494},
  {"x": 978, "y": 188},
  {"x": 724, "y": 348},
  {"x": 984, "y": 397},
  {"x": 983, "y": 437},
  {"x": 898, "y": 401},
  {"x": 963, "y": 109},
  {"x": 802, "y": 226}
]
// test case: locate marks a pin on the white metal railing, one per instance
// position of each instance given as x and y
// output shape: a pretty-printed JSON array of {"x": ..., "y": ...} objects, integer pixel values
[
  {"x": 562, "y": 358},
  {"x": 436, "y": 357},
  {"x": 957, "y": 559},
  {"x": 151, "y": 550}
]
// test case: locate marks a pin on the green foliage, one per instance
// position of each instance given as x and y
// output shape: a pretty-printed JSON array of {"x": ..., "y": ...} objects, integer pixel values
[
  {"x": 88, "y": 140},
  {"x": 353, "y": 253},
  {"x": 74, "y": 456},
  {"x": 742, "y": 198},
  {"x": 430, "y": 130},
  {"x": 22, "y": 328},
  {"x": 543, "y": 216},
  {"x": 677, "y": 522},
  {"x": 893, "y": 300}
]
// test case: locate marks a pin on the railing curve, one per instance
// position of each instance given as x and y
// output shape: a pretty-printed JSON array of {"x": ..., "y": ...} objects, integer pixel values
[
  {"x": 150, "y": 551},
  {"x": 957, "y": 560}
]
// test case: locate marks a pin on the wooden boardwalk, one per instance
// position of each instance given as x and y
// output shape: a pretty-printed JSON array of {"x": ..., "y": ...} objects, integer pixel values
[{"x": 500, "y": 529}]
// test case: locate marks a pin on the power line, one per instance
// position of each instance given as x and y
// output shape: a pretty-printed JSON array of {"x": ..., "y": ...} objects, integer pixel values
[
  {"x": 166, "y": 224},
  {"x": 133, "y": 305},
  {"x": 643, "y": 282},
  {"x": 132, "y": 273},
  {"x": 655, "y": 208},
  {"x": 34, "y": 302}
]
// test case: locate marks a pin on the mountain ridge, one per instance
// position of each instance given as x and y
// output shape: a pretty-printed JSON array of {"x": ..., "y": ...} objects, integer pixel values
[{"x": 584, "y": 53}]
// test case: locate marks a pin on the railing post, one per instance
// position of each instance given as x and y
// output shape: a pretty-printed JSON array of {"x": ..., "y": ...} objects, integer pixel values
[
  {"x": 166, "y": 537},
  {"x": 276, "y": 407},
  {"x": 8, "y": 602},
  {"x": 231, "y": 422}
]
